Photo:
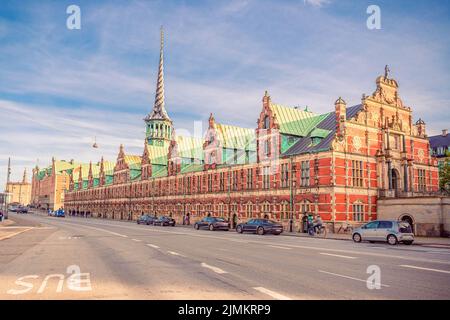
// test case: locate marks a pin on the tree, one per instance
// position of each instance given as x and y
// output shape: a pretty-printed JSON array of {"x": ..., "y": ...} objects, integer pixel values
[{"x": 444, "y": 173}]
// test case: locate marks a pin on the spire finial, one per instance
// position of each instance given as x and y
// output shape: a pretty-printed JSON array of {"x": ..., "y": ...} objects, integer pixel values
[
  {"x": 8, "y": 173},
  {"x": 162, "y": 39},
  {"x": 24, "y": 179},
  {"x": 386, "y": 71},
  {"x": 159, "y": 111}
]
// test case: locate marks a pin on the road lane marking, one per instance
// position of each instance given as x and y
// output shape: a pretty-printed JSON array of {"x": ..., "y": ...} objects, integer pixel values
[
  {"x": 15, "y": 234},
  {"x": 279, "y": 247},
  {"x": 152, "y": 245},
  {"x": 115, "y": 224},
  {"x": 427, "y": 269},
  {"x": 271, "y": 293},
  {"x": 348, "y": 277},
  {"x": 336, "y": 255},
  {"x": 215, "y": 269},
  {"x": 137, "y": 240},
  {"x": 176, "y": 253}
]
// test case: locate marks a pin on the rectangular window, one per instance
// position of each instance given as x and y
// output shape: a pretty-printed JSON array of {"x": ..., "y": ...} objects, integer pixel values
[
  {"x": 421, "y": 180},
  {"x": 249, "y": 179},
  {"x": 235, "y": 180},
  {"x": 266, "y": 178},
  {"x": 210, "y": 182},
  {"x": 357, "y": 173},
  {"x": 358, "y": 212},
  {"x": 305, "y": 174},
  {"x": 285, "y": 175},
  {"x": 222, "y": 181}
]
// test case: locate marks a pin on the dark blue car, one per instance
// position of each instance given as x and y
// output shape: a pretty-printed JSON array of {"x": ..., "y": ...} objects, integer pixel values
[{"x": 260, "y": 226}]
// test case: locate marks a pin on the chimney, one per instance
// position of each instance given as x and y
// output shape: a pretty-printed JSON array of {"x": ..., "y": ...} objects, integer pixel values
[
  {"x": 444, "y": 132},
  {"x": 341, "y": 116}
]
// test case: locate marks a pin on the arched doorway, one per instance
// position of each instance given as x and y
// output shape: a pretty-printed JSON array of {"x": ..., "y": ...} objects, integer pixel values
[{"x": 409, "y": 219}]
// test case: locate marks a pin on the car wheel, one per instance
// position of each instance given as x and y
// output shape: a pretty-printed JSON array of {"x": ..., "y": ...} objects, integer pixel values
[
  {"x": 239, "y": 229},
  {"x": 357, "y": 237},
  {"x": 392, "y": 240},
  {"x": 196, "y": 227},
  {"x": 211, "y": 227},
  {"x": 372, "y": 241},
  {"x": 260, "y": 231},
  {"x": 138, "y": 222},
  {"x": 409, "y": 242},
  {"x": 277, "y": 233}
]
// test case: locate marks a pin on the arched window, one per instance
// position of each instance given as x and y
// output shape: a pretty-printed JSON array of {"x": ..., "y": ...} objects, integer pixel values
[
  {"x": 305, "y": 206},
  {"x": 266, "y": 207}
]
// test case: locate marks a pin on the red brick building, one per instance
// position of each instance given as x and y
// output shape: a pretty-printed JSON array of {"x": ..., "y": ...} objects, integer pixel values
[{"x": 295, "y": 161}]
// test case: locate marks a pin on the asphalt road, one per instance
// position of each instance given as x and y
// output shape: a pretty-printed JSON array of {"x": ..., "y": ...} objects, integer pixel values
[{"x": 77, "y": 258}]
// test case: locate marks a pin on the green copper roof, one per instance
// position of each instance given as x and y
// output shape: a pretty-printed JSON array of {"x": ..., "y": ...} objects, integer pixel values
[
  {"x": 159, "y": 171},
  {"x": 192, "y": 167},
  {"x": 294, "y": 121},
  {"x": 234, "y": 137},
  {"x": 319, "y": 133},
  {"x": 190, "y": 147},
  {"x": 158, "y": 154},
  {"x": 133, "y": 161}
]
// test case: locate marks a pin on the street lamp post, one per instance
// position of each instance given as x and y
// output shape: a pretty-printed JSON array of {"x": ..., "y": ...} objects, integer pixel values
[{"x": 291, "y": 193}]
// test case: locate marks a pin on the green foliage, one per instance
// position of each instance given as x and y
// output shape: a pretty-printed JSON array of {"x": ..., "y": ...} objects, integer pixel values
[{"x": 444, "y": 174}]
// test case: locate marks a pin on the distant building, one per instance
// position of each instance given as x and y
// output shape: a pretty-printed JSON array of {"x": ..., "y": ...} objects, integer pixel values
[
  {"x": 19, "y": 192},
  {"x": 48, "y": 184}
]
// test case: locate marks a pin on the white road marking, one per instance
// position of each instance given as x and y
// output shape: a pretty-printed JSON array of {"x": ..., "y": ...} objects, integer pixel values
[
  {"x": 427, "y": 269},
  {"x": 348, "y": 277},
  {"x": 271, "y": 293},
  {"x": 215, "y": 269},
  {"x": 279, "y": 247},
  {"x": 336, "y": 255},
  {"x": 137, "y": 240},
  {"x": 15, "y": 234},
  {"x": 176, "y": 253},
  {"x": 152, "y": 245},
  {"x": 122, "y": 225}
]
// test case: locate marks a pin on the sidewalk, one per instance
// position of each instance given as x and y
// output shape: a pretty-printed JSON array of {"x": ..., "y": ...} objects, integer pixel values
[{"x": 421, "y": 241}]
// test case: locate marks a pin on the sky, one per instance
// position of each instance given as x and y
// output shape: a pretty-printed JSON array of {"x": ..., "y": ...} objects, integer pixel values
[{"x": 62, "y": 89}]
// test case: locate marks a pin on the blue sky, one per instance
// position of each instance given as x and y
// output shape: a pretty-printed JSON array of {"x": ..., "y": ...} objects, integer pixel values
[{"x": 59, "y": 88}]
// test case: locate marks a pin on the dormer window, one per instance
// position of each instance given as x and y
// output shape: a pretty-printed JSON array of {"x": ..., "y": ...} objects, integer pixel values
[{"x": 315, "y": 140}]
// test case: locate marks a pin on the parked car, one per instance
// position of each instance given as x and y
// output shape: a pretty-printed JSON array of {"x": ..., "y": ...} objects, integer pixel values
[
  {"x": 146, "y": 219},
  {"x": 164, "y": 221},
  {"x": 59, "y": 213},
  {"x": 22, "y": 209},
  {"x": 212, "y": 223},
  {"x": 13, "y": 208},
  {"x": 260, "y": 226},
  {"x": 385, "y": 230}
]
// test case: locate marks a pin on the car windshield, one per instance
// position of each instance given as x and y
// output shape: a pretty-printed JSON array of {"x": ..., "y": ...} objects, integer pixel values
[
  {"x": 404, "y": 227},
  {"x": 219, "y": 219}
]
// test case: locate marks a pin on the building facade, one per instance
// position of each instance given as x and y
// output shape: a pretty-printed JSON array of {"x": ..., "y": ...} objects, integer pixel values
[
  {"x": 49, "y": 184},
  {"x": 17, "y": 192},
  {"x": 337, "y": 164}
]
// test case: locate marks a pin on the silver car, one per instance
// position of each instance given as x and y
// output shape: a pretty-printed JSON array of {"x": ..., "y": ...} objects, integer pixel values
[{"x": 385, "y": 230}]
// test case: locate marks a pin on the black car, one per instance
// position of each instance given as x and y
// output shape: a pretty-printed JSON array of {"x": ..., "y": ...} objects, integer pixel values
[
  {"x": 164, "y": 221},
  {"x": 212, "y": 223},
  {"x": 260, "y": 226},
  {"x": 23, "y": 210},
  {"x": 146, "y": 219}
]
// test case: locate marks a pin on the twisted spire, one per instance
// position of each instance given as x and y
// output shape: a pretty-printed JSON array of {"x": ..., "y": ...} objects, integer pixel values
[{"x": 159, "y": 111}]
